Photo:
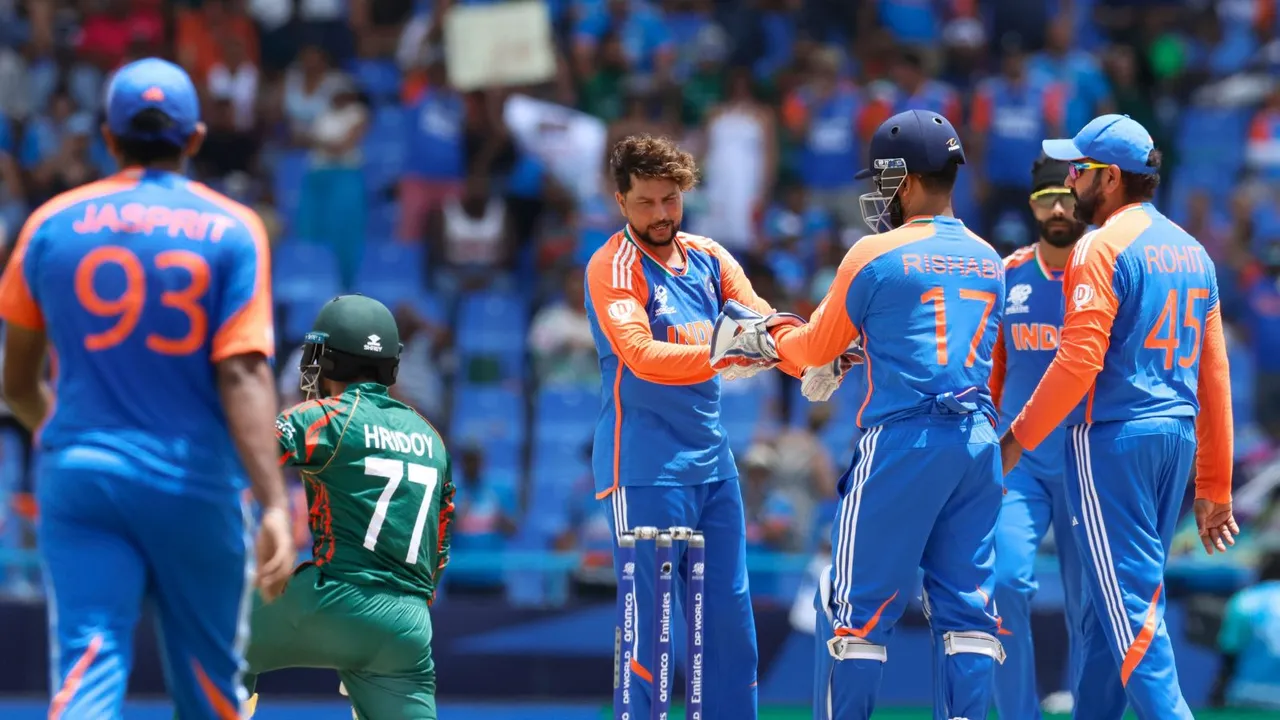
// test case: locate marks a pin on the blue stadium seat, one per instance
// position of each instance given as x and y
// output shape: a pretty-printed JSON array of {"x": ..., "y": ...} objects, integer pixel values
[
  {"x": 297, "y": 316},
  {"x": 484, "y": 414},
  {"x": 392, "y": 272},
  {"x": 492, "y": 322},
  {"x": 290, "y": 169},
  {"x": 566, "y": 412},
  {"x": 302, "y": 271},
  {"x": 558, "y": 462},
  {"x": 382, "y": 218}
]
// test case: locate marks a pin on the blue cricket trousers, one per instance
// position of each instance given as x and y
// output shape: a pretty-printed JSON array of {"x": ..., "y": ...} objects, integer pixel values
[
  {"x": 108, "y": 541},
  {"x": 1031, "y": 505},
  {"x": 921, "y": 493},
  {"x": 730, "y": 653},
  {"x": 1125, "y": 484}
]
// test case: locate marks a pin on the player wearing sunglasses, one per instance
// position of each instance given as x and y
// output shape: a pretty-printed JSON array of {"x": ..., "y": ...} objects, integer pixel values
[{"x": 1035, "y": 497}]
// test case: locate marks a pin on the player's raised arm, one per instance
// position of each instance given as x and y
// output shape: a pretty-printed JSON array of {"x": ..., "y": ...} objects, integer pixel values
[
  {"x": 830, "y": 330},
  {"x": 1092, "y": 302},
  {"x": 25, "y": 389},
  {"x": 618, "y": 293},
  {"x": 1214, "y": 442}
]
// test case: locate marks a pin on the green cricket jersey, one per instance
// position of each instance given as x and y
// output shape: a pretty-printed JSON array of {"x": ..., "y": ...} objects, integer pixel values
[{"x": 379, "y": 487}]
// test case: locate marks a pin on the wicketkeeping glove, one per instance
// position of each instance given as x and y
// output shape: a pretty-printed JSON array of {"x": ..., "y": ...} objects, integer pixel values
[
  {"x": 741, "y": 345},
  {"x": 819, "y": 383}
]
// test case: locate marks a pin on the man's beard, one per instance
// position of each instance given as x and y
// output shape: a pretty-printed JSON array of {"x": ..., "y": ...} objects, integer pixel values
[
  {"x": 672, "y": 227},
  {"x": 1061, "y": 232},
  {"x": 1087, "y": 207}
]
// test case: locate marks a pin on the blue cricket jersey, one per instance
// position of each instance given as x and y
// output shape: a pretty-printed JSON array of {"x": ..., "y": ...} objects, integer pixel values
[
  {"x": 926, "y": 300},
  {"x": 142, "y": 282},
  {"x": 1028, "y": 340},
  {"x": 1141, "y": 338},
  {"x": 659, "y": 418}
]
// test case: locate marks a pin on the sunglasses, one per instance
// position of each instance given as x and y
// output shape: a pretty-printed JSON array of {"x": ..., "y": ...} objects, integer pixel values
[
  {"x": 1083, "y": 166},
  {"x": 1048, "y": 198}
]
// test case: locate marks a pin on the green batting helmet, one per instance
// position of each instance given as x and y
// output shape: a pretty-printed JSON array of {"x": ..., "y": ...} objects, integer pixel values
[{"x": 353, "y": 337}]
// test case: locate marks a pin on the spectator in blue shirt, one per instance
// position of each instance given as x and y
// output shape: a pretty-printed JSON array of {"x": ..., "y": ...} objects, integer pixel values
[
  {"x": 481, "y": 524},
  {"x": 646, "y": 39},
  {"x": 1012, "y": 112},
  {"x": 1249, "y": 676},
  {"x": 797, "y": 233},
  {"x": 1086, "y": 88},
  {"x": 44, "y": 134},
  {"x": 1260, "y": 285},
  {"x": 436, "y": 161}
]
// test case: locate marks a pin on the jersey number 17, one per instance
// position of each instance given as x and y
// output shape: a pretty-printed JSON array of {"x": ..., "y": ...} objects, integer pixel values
[{"x": 394, "y": 472}]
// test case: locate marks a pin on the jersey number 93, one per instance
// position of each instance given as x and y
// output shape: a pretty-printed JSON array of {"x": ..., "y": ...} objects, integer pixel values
[{"x": 127, "y": 309}]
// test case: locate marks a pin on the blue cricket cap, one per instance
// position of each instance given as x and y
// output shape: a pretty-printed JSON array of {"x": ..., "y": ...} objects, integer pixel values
[
  {"x": 924, "y": 140},
  {"x": 147, "y": 84},
  {"x": 1112, "y": 139}
]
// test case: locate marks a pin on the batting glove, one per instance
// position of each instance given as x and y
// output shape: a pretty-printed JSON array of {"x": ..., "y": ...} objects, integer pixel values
[{"x": 819, "y": 383}]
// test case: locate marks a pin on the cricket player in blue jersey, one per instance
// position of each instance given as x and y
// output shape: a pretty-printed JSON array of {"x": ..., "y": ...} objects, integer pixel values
[
  {"x": 1034, "y": 495},
  {"x": 151, "y": 295},
  {"x": 924, "y": 298},
  {"x": 1249, "y": 639},
  {"x": 1142, "y": 345},
  {"x": 661, "y": 457}
]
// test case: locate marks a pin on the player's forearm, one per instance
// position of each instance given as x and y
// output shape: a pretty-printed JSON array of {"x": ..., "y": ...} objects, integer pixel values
[
  {"x": 667, "y": 363},
  {"x": 1214, "y": 441},
  {"x": 810, "y": 345},
  {"x": 1086, "y": 337},
  {"x": 1059, "y": 391},
  {"x": 249, "y": 401},
  {"x": 30, "y": 405}
]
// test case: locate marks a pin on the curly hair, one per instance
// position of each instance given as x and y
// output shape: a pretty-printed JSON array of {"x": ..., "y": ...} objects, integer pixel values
[{"x": 648, "y": 157}]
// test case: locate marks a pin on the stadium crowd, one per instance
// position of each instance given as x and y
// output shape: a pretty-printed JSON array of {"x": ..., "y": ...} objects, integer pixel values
[{"x": 337, "y": 122}]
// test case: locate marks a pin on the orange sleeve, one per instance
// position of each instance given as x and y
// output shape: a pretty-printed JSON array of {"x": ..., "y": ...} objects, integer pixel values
[
  {"x": 1214, "y": 443},
  {"x": 17, "y": 305},
  {"x": 829, "y": 331},
  {"x": 794, "y": 113},
  {"x": 245, "y": 323},
  {"x": 1055, "y": 107},
  {"x": 736, "y": 286},
  {"x": 980, "y": 113},
  {"x": 952, "y": 109},
  {"x": 999, "y": 359},
  {"x": 1086, "y": 335},
  {"x": 875, "y": 113},
  {"x": 618, "y": 292}
]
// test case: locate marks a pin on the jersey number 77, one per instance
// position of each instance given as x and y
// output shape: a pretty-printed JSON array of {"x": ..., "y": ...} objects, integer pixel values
[{"x": 394, "y": 473}]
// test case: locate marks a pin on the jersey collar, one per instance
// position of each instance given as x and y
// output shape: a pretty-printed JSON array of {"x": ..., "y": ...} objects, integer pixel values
[
  {"x": 931, "y": 219},
  {"x": 1048, "y": 272},
  {"x": 684, "y": 255},
  {"x": 368, "y": 388},
  {"x": 1123, "y": 211}
]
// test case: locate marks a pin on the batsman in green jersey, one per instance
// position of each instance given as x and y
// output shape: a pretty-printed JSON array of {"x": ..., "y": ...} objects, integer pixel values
[{"x": 381, "y": 497}]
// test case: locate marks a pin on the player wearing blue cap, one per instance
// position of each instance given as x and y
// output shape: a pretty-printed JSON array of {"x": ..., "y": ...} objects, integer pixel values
[
  {"x": 152, "y": 296},
  {"x": 1142, "y": 345},
  {"x": 924, "y": 298}
]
